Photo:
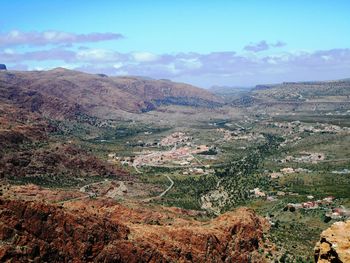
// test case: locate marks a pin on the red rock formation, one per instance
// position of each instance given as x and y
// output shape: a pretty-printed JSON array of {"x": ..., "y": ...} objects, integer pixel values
[
  {"x": 104, "y": 231},
  {"x": 45, "y": 233}
]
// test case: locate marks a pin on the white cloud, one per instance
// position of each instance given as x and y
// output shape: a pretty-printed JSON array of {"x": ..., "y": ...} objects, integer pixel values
[
  {"x": 98, "y": 54},
  {"x": 35, "y": 38},
  {"x": 192, "y": 63},
  {"x": 144, "y": 57},
  {"x": 9, "y": 51},
  {"x": 118, "y": 65}
]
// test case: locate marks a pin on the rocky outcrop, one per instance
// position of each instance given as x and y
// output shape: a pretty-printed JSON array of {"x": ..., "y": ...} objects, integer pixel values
[
  {"x": 334, "y": 244},
  {"x": 31, "y": 231},
  {"x": 105, "y": 231}
]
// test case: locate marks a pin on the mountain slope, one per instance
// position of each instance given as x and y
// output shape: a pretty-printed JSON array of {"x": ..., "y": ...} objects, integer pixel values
[
  {"x": 28, "y": 150},
  {"x": 63, "y": 93}
]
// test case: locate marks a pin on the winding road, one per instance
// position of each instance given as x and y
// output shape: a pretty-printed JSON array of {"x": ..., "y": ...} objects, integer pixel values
[
  {"x": 169, "y": 187},
  {"x": 162, "y": 193}
]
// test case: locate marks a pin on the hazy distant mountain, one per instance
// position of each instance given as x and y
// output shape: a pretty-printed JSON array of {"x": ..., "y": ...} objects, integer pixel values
[
  {"x": 230, "y": 94},
  {"x": 228, "y": 89},
  {"x": 304, "y": 90}
]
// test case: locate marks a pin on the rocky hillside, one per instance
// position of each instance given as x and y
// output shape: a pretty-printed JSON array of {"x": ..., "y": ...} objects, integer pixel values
[
  {"x": 105, "y": 231},
  {"x": 62, "y": 93},
  {"x": 334, "y": 244},
  {"x": 28, "y": 150},
  {"x": 19, "y": 126}
]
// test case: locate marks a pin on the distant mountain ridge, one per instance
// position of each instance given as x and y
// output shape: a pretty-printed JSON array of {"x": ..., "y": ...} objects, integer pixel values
[
  {"x": 62, "y": 93},
  {"x": 304, "y": 90},
  {"x": 301, "y": 83},
  {"x": 306, "y": 96}
]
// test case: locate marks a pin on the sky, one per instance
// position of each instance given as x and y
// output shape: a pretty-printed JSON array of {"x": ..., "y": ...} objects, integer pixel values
[{"x": 202, "y": 42}]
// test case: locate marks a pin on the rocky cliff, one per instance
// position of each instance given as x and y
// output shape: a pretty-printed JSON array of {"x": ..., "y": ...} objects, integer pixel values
[
  {"x": 334, "y": 244},
  {"x": 105, "y": 231},
  {"x": 43, "y": 233}
]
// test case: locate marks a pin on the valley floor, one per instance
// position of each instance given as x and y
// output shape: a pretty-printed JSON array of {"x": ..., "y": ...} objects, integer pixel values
[{"x": 292, "y": 170}]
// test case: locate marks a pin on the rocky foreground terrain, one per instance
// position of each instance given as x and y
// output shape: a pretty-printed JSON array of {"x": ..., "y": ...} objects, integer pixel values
[
  {"x": 103, "y": 230},
  {"x": 334, "y": 245}
]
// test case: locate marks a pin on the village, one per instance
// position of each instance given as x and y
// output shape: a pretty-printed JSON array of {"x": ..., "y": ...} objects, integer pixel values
[
  {"x": 331, "y": 211},
  {"x": 297, "y": 126},
  {"x": 176, "y": 150},
  {"x": 304, "y": 157},
  {"x": 183, "y": 156}
]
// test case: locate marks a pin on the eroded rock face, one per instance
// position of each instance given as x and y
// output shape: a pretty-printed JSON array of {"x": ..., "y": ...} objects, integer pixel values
[
  {"x": 45, "y": 233},
  {"x": 334, "y": 245},
  {"x": 105, "y": 231}
]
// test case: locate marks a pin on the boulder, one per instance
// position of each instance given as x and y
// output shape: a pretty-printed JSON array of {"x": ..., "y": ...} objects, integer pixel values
[
  {"x": 334, "y": 244},
  {"x": 3, "y": 67}
]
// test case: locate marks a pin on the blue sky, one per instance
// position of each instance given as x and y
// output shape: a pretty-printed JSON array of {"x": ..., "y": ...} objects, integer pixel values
[{"x": 235, "y": 43}]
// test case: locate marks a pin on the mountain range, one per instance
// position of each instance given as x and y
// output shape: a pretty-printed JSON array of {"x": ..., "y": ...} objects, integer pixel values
[{"x": 62, "y": 93}]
